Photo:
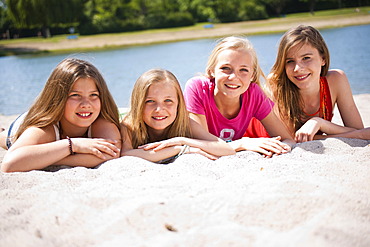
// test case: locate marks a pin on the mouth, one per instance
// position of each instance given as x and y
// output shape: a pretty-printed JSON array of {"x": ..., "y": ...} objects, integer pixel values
[
  {"x": 302, "y": 77},
  {"x": 84, "y": 114},
  {"x": 159, "y": 117},
  {"x": 232, "y": 86}
]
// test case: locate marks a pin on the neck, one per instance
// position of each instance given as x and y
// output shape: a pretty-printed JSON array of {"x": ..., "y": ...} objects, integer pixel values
[
  {"x": 157, "y": 135},
  {"x": 228, "y": 107},
  {"x": 64, "y": 131}
]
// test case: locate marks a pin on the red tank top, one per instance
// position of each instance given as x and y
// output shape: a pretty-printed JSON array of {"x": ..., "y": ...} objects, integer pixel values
[{"x": 256, "y": 129}]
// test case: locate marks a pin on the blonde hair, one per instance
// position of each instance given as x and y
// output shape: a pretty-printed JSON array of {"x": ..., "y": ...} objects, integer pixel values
[
  {"x": 48, "y": 107},
  {"x": 138, "y": 130},
  {"x": 286, "y": 94},
  {"x": 239, "y": 44}
]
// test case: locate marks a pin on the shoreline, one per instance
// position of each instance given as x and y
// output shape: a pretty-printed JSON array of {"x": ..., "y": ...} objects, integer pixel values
[{"x": 148, "y": 37}]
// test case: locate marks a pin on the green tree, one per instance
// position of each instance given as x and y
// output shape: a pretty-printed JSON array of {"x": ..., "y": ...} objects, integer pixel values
[{"x": 44, "y": 14}]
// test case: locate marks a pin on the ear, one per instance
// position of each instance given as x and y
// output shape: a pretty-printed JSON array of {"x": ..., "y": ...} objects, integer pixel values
[{"x": 323, "y": 61}]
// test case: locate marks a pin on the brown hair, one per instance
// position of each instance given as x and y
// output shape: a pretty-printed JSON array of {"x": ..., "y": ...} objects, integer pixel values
[
  {"x": 286, "y": 94},
  {"x": 134, "y": 118},
  {"x": 48, "y": 107}
]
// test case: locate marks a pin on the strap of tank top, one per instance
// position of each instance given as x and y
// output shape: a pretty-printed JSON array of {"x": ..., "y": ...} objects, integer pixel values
[{"x": 326, "y": 106}]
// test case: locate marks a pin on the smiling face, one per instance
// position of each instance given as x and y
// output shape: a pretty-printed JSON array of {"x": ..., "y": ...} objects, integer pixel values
[
  {"x": 303, "y": 66},
  {"x": 160, "y": 109},
  {"x": 233, "y": 73},
  {"x": 82, "y": 107}
]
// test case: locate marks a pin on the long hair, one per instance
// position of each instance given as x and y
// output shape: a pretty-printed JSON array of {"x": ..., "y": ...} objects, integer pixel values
[
  {"x": 286, "y": 94},
  {"x": 138, "y": 130},
  {"x": 239, "y": 44},
  {"x": 48, "y": 107}
]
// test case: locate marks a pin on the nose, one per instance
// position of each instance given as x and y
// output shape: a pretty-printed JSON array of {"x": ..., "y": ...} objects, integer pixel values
[
  {"x": 232, "y": 76},
  {"x": 297, "y": 66},
  {"x": 85, "y": 102},
  {"x": 158, "y": 107}
]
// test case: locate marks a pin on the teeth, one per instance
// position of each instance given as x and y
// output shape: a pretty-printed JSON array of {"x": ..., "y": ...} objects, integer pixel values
[
  {"x": 231, "y": 86},
  {"x": 159, "y": 118},
  {"x": 301, "y": 77},
  {"x": 84, "y": 114}
]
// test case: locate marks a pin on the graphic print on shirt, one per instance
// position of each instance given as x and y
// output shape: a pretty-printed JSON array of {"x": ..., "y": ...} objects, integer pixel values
[{"x": 227, "y": 134}]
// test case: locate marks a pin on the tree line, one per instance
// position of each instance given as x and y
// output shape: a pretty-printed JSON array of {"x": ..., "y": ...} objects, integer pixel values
[{"x": 23, "y": 18}]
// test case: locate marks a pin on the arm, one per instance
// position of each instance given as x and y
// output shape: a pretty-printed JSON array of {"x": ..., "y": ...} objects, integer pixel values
[
  {"x": 101, "y": 128},
  {"x": 150, "y": 155},
  {"x": 205, "y": 143},
  {"x": 342, "y": 95},
  {"x": 36, "y": 148},
  {"x": 268, "y": 146},
  {"x": 265, "y": 146}
]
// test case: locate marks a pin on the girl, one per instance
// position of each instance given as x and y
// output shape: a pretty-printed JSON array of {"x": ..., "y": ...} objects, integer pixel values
[
  {"x": 306, "y": 91},
  {"x": 226, "y": 99},
  {"x": 158, "y": 126},
  {"x": 75, "y": 104}
]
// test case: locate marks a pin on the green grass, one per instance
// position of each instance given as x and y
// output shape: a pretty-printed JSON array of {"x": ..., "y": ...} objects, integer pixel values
[{"x": 326, "y": 14}]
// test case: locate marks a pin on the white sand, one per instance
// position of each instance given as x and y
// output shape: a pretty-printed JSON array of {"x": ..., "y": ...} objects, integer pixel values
[{"x": 317, "y": 195}]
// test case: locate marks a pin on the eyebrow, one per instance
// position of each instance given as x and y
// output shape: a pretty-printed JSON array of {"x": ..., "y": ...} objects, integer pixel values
[{"x": 303, "y": 55}]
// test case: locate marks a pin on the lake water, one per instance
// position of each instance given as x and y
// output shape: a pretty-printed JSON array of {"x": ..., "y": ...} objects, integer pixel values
[{"x": 23, "y": 77}]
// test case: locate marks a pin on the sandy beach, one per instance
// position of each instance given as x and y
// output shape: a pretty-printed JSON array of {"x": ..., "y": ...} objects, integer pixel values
[{"x": 317, "y": 195}]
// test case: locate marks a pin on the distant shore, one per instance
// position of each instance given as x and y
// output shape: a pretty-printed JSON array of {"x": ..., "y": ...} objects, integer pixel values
[{"x": 112, "y": 41}]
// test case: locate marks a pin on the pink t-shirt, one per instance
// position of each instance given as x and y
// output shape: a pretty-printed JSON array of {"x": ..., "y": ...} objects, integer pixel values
[{"x": 199, "y": 98}]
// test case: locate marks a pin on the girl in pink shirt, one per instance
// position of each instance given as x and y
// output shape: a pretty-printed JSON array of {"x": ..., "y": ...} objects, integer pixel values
[{"x": 229, "y": 96}]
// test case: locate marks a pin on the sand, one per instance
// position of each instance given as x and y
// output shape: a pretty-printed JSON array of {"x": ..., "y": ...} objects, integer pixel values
[{"x": 317, "y": 195}]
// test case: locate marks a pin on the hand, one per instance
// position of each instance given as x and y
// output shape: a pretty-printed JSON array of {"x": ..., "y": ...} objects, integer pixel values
[
  {"x": 308, "y": 130},
  {"x": 193, "y": 150},
  {"x": 156, "y": 146},
  {"x": 266, "y": 146},
  {"x": 98, "y": 147}
]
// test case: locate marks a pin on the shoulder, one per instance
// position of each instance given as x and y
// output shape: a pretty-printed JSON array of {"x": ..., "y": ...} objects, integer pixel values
[
  {"x": 198, "y": 81},
  {"x": 35, "y": 135},
  {"x": 337, "y": 80}
]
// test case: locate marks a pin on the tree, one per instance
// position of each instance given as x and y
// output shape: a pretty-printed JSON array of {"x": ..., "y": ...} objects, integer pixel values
[{"x": 44, "y": 14}]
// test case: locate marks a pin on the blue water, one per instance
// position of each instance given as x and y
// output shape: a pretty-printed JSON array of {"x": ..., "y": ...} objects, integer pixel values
[{"x": 23, "y": 77}]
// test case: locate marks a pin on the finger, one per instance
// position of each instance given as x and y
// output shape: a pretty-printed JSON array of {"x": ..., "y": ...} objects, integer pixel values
[
  {"x": 108, "y": 150},
  {"x": 159, "y": 147},
  {"x": 97, "y": 153},
  {"x": 209, "y": 156}
]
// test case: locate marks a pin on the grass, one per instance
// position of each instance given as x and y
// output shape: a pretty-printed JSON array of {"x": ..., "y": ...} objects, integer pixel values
[{"x": 298, "y": 17}]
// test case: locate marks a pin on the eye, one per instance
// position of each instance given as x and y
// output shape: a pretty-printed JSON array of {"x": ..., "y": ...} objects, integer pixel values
[
  {"x": 306, "y": 58},
  {"x": 289, "y": 61},
  {"x": 225, "y": 68},
  {"x": 74, "y": 95},
  {"x": 149, "y": 101},
  {"x": 94, "y": 95},
  {"x": 168, "y": 100},
  {"x": 244, "y": 70}
]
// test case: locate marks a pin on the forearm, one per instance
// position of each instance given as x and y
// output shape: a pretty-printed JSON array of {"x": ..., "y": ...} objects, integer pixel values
[
  {"x": 217, "y": 148},
  {"x": 151, "y": 155},
  {"x": 35, "y": 157},
  {"x": 330, "y": 128},
  {"x": 363, "y": 134},
  {"x": 83, "y": 160}
]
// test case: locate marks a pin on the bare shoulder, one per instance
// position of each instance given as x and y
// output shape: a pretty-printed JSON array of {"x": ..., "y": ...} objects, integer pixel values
[
  {"x": 35, "y": 135},
  {"x": 338, "y": 82},
  {"x": 336, "y": 76}
]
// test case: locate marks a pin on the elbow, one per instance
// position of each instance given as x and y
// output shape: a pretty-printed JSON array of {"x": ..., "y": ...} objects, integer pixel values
[{"x": 7, "y": 167}]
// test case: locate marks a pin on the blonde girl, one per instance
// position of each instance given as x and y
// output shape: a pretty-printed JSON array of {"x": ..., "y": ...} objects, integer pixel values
[
  {"x": 225, "y": 100},
  {"x": 306, "y": 91},
  {"x": 74, "y": 106},
  {"x": 157, "y": 126}
]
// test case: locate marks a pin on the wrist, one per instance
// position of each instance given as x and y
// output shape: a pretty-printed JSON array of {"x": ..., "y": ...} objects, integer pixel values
[{"x": 70, "y": 146}]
